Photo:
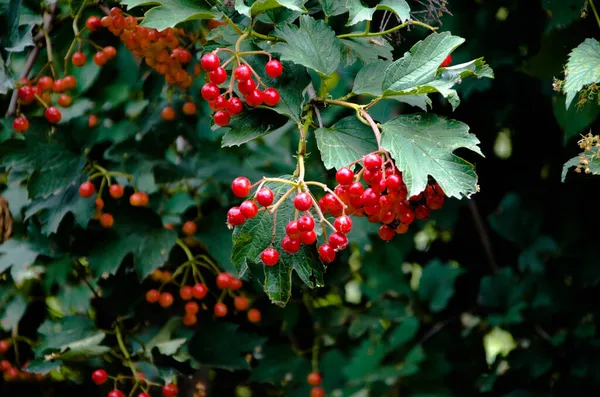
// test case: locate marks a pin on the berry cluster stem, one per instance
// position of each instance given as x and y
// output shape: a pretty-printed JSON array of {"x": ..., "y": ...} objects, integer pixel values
[
  {"x": 373, "y": 126},
  {"x": 126, "y": 354},
  {"x": 595, "y": 11},
  {"x": 366, "y": 33}
]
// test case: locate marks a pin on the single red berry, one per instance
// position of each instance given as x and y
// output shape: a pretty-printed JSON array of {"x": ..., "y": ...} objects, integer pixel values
[
  {"x": 223, "y": 280},
  {"x": 235, "y": 283},
  {"x": 11, "y": 374},
  {"x": 189, "y": 108},
  {"x": 5, "y": 365},
  {"x": 394, "y": 182},
  {"x": 241, "y": 186},
  {"x": 4, "y": 346},
  {"x": 109, "y": 51},
  {"x": 386, "y": 233},
  {"x": 166, "y": 299},
  {"x": 219, "y": 103},
  {"x": 106, "y": 220},
  {"x": 115, "y": 11},
  {"x": 189, "y": 228},
  {"x": 143, "y": 394},
  {"x": 222, "y": 118},
  {"x": 220, "y": 309},
  {"x": 356, "y": 189},
  {"x": 308, "y": 238},
  {"x": 435, "y": 202},
  {"x": 317, "y": 392},
  {"x": 79, "y": 59},
  {"x": 21, "y": 124},
  {"x": 406, "y": 215},
  {"x": 192, "y": 307},
  {"x": 242, "y": 73},
  {"x": 372, "y": 161},
  {"x": 302, "y": 201},
  {"x": 186, "y": 292},
  {"x": 265, "y": 197},
  {"x": 199, "y": 291},
  {"x": 65, "y": 100},
  {"x": 246, "y": 87},
  {"x": 92, "y": 121},
  {"x": 152, "y": 296},
  {"x": 326, "y": 253},
  {"x": 314, "y": 379},
  {"x": 99, "y": 377},
  {"x": 274, "y": 68},
  {"x": 270, "y": 256},
  {"x": 210, "y": 62},
  {"x": 306, "y": 223},
  {"x": 53, "y": 115},
  {"x": 254, "y": 315},
  {"x": 116, "y": 191},
  {"x": 189, "y": 319},
  {"x": 210, "y": 91},
  {"x": 249, "y": 209},
  {"x": 45, "y": 83},
  {"x": 93, "y": 23},
  {"x": 447, "y": 61},
  {"x": 26, "y": 94},
  {"x": 235, "y": 216},
  {"x": 422, "y": 212},
  {"x": 343, "y": 224},
  {"x": 241, "y": 303},
  {"x": 344, "y": 176},
  {"x": 184, "y": 56},
  {"x": 170, "y": 390},
  {"x": 369, "y": 197},
  {"x": 293, "y": 230},
  {"x": 218, "y": 76},
  {"x": 167, "y": 113},
  {"x": 59, "y": 86},
  {"x": 338, "y": 241},
  {"x": 255, "y": 98},
  {"x": 86, "y": 189},
  {"x": 289, "y": 245},
  {"x": 106, "y": 21},
  {"x": 115, "y": 393},
  {"x": 271, "y": 97},
  {"x": 69, "y": 82},
  {"x": 100, "y": 58},
  {"x": 235, "y": 106},
  {"x": 138, "y": 199}
]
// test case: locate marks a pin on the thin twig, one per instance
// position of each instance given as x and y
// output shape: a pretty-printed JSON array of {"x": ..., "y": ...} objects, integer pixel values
[{"x": 483, "y": 235}]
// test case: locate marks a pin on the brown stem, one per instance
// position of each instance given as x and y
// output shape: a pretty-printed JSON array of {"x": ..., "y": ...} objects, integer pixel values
[
  {"x": 483, "y": 235},
  {"x": 373, "y": 127}
]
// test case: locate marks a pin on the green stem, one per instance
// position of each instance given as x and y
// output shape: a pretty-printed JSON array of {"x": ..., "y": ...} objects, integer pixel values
[
  {"x": 315, "y": 355},
  {"x": 342, "y": 103},
  {"x": 238, "y": 43},
  {"x": 265, "y": 37},
  {"x": 233, "y": 25},
  {"x": 383, "y": 33},
  {"x": 595, "y": 12},
  {"x": 126, "y": 353},
  {"x": 185, "y": 248}
]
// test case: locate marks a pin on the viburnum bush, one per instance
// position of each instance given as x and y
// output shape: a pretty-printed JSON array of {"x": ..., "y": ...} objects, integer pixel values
[{"x": 139, "y": 134}]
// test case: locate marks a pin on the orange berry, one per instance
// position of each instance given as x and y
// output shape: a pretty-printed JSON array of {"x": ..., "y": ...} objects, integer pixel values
[
  {"x": 254, "y": 315},
  {"x": 189, "y": 108},
  {"x": 106, "y": 221},
  {"x": 166, "y": 299},
  {"x": 189, "y": 319},
  {"x": 167, "y": 113},
  {"x": 189, "y": 228}
]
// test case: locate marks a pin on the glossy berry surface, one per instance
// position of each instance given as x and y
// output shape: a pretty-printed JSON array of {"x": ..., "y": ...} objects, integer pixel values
[
  {"x": 249, "y": 209},
  {"x": 222, "y": 118},
  {"x": 223, "y": 280},
  {"x": 220, "y": 309},
  {"x": 167, "y": 113},
  {"x": 308, "y": 238},
  {"x": 78, "y": 59},
  {"x": 218, "y": 76},
  {"x": 274, "y": 68},
  {"x": 20, "y": 124},
  {"x": 138, "y": 199},
  {"x": 326, "y": 253},
  {"x": 306, "y": 223},
  {"x": 210, "y": 91},
  {"x": 93, "y": 23},
  {"x": 269, "y": 256},
  {"x": 116, "y": 393},
  {"x": 317, "y": 392},
  {"x": 344, "y": 176},
  {"x": 53, "y": 115},
  {"x": 152, "y": 296},
  {"x": 235, "y": 216},
  {"x": 116, "y": 191},
  {"x": 314, "y": 379},
  {"x": 271, "y": 97},
  {"x": 241, "y": 186},
  {"x": 302, "y": 201},
  {"x": 87, "y": 189},
  {"x": 246, "y": 87},
  {"x": 170, "y": 390},
  {"x": 254, "y": 315},
  {"x": 289, "y": 245},
  {"x": 264, "y": 197},
  {"x": 186, "y": 292},
  {"x": 255, "y": 98},
  {"x": 234, "y": 106},
  {"x": 166, "y": 299},
  {"x": 241, "y": 303},
  {"x": 99, "y": 376},
  {"x": 199, "y": 291},
  {"x": 210, "y": 62},
  {"x": 242, "y": 73},
  {"x": 372, "y": 161},
  {"x": 106, "y": 221},
  {"x": 189, "y": 228}
]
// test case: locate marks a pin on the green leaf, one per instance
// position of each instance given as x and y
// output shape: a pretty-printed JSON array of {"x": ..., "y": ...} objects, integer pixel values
[
  {"x": 533, "y": 258},
  {"x": 365, "y": 358},
  {"x": 263, "y": 5},
  {"x": 583, "y": 68},
  {"x": 576, "y": 119},
  {"x": 75, "y": 298},
  {"x": 169, "y": 13},
  {"x": 250, "y": 239},
  {"x": 251, "y": 125},
  {"x": 437, "y": 284},
  {"x": 269, "y": 367},
  {"x": 6, "y": 82},
  {"x": 42, "y": 366},
  {"x": 70, "y": 338},
  {"x": 346, "y": 141},
  {"x": 17, "y": 253},
  {"x": 369, "y": 80},
  {"x": 593, "y": 163},
  {"x": 403, "y": 332},
  {"x": 516, "y": 222},
  {"x": 223, "y": 345},
  {"x": 13, "y": 312},
  {"x": 365, "y": 49},
  {"x": 138, "y": 232},
  {"x": 359, "y": 13},
  {"x": 313, "y": 45},
  {"x": 423, "y": 144},
  {"x": 179, "y": 203},
  {"x": 333, "y": 7}
]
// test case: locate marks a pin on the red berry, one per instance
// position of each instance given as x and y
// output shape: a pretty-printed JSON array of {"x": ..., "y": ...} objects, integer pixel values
[
  {"x": 45, "y": 83},
  {"x": 306, "y": 223},
  {"x": 235, "y": 216},
  {"x": 78, "y": 59},
  {"x": 220, "y": 309},
  {"x": 93, "y": 23},
  {"x": 116, "y": 191},
  {"x": 99, "y": 376},
  {"x": 4, "y": 346},
  {"x": 274, "y": 68},
  {"x": 447, "y": 61},
  {"x": 289, "y": 245},
  {"x": 53, "y": 115},
  {"x": 326, "y": 253},
  {"x": 106, "y": 221},
  {"x": 308, "y": 238},
  {"x": 152, "y": 296},
  {"x": 264, "y": 197},
  {"x": 246, "y": 87},
  {"x": 386, "y": 233},
  {"x": 26, "y": 94},
  {"x": 270, "y": 256},
  {"x": 100, "y": 58},
  {"x": 241, "y": 303},
  {"x": 223, "y": 280},
  {"x": 64, "y": 100},
  {"x": 234, "y": 106},
  {"x": 86, "y": 189},
  {"x": 249, "y": 209},
  {"x": 254, "y": 315},
  {"x": 338, "y": 241},
  {"x": 189, "y": 228},
  {"x": 138, "y": 199},
  {"x": 271, "y": 97},
  {"x": 235, "y": 283},
  {"x": 222, "y": 118},
  {"x": 356, "y": 189},
  {"x": 218, "y": 76},
  {"x": 170, "y": 390},
  {"x": 210, "y": 91},
  {"x": 372, "y": 161},
  {"x": 293, "y": 230},
  {"x": 406, "y": 215},
  {"x": 115, "y": 393},
  {"x": 422, "y": 212},
  {"x": 192, "y": 307},
  {"x": 186, "y": 292},
  {"x": 189, "y": 319},
  {"x": 343, "y": 224},
  {"x": 302, "y": 201},
  {"x": 241, "y": 186},
  {"x": 166, "y": 299},
  {"x": 184, "y": 56},
  {"x": 5, "y": 365},
  {"x": 167, "y": 113},
  {"x": 210, "y": 62},
  {"x": 11, "y": 374},
  {"x": 242, "y": 73},
  {"x": 69, "y": 82},
  {"x": 199, "y": 291},
  {"x": 189, "y": 108},
  {"x": 317, "y": 392},
  {"x": 394, "y": 183},
  {"x": 21, "y": 124},
  {"x": 143, "y": 394},
  {"x": 255, "y": 98},
  {"x": 369, "y": 197},
  {"x": 344, "y": 176},
  {"x": 314, "y": 379},
  {"x": 219, "y": 103}
]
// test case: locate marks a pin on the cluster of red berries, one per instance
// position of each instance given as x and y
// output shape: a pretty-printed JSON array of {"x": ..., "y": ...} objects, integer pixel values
[
  {"x": 100, "y": 377},
  {"x": 314, "y": 379},
  {"x": 385, "y": 199},
  {"x": 161, "y": 50},
  {"x": 198, "y": 291},
  {"x": 225, "y": 108},
  {"x": 10, "y": 373},
  {"x": 116, "y": 191}
]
